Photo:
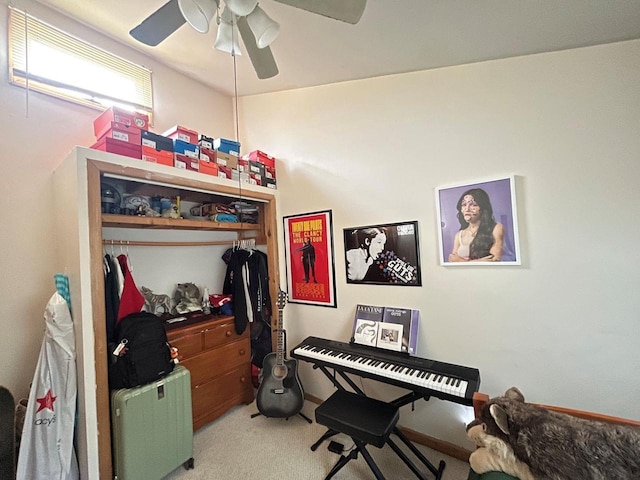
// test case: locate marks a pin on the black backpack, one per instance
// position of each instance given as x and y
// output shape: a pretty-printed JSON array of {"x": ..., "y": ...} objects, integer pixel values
[{"x": 141, "y": 353}]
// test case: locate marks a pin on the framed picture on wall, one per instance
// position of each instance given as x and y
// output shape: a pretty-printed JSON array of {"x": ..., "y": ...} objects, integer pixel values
[
  {"x": 386, "y": 254},
  {"x": 478, "y": 223},
  {"x": 308, "y": 244}
]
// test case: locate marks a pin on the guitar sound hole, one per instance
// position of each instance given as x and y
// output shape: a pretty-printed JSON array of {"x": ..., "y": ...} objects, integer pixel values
[{"x": 280, "y": 371}]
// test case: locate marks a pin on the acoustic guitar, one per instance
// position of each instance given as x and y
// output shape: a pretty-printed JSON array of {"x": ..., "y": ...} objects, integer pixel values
[{"x": 280, "y": 392}]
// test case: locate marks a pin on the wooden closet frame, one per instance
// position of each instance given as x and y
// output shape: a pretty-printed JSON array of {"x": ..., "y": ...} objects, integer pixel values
[{"x": 267, "y": 235}]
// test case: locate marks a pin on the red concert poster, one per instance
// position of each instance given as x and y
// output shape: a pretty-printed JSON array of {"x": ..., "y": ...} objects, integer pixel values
[{"x": 309, "y": 258}]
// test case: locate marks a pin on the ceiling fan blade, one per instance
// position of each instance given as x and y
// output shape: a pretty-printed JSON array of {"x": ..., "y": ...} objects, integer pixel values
[
  {"x": 159, "y": 25},
  {"x": 262, "y": 59},
  {"x": 348, "y": 11}
]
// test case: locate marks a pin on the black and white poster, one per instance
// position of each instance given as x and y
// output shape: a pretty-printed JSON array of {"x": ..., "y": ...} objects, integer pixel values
[{"x": 386, "y": 254}]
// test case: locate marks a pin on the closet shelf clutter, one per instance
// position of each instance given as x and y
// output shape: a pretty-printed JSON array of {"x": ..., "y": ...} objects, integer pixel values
[
  {"x": 129, "y": 221},
  {"x": 91, "y": 217}
]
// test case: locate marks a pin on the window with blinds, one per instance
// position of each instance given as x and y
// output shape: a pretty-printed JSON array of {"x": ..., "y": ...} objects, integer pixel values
[{"x": 45, "y": 59}]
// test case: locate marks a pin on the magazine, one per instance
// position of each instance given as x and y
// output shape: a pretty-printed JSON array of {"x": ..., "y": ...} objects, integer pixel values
[
  {"x": 365, "y": 325},
  {"x": 391, "y": 328}
]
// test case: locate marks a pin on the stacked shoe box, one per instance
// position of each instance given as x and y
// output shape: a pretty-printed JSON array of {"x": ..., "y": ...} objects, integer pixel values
[
  {"x": 120, "y": 131},
  {"x": 227, "y": 153},
  {"x": 185, "y": 147},
  {"x": 157, "y": 148},
  {"x": 207, "y": 157},
  {"x": 261, "y": 168}
]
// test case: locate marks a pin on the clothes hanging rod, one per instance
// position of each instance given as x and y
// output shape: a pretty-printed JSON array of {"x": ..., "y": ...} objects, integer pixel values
[{"x": 168, "y": 244}]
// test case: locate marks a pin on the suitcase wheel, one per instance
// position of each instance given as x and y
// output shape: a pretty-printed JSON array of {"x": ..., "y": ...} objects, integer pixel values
[{"x": 189, "y": 464}]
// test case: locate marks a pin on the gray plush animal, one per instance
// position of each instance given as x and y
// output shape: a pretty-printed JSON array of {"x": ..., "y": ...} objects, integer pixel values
[
  {"x": 557, "y": 446},
  {"x": 158, "y": 304},
  {"x": 187, "y": 298}
]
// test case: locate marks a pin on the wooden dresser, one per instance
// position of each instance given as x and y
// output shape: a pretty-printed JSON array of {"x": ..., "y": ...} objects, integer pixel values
[{"x": 220, "y": 364}]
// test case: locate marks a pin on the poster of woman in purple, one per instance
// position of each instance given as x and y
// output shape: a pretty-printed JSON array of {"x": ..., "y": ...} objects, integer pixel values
[{"x": 478, "y": 223}]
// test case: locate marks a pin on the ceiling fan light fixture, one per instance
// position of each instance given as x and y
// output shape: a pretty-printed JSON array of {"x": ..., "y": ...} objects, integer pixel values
[
  {"x": 227, "y": 38},
  {"x": 198, "y": 13},
  {"x": 263, "y": 27},
  {"x": 241, "y": 7}
]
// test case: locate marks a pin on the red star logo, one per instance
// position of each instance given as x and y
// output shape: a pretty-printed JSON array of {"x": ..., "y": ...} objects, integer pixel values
[{"x": 46, "y": 401}]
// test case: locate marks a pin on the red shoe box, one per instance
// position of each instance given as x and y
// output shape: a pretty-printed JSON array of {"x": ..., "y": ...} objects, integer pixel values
[
  {"x": 163, "y": 157},
  {"x": 210, "y": 168},
  {"x": 178, "y": 132},
  {"x": 224, "y": 172},
  {"x": 187, "y": 162},
  {"x": 256, "y": 179},
  {"x": 270, "y": 172},
  {"x": 123, "y": 132},
  {"x": 113, "y": 145},
  {"x": 207, "y": 154},
  {"x": 260, "y": 156},
  {"x": 119, "y": 115}
]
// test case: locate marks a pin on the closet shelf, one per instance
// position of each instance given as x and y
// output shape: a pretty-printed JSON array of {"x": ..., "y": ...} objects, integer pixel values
[{"x": 130, "y": 221}]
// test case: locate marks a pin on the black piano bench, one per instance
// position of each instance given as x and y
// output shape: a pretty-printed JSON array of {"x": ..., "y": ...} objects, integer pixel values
[{"x": 365, "y": 420}]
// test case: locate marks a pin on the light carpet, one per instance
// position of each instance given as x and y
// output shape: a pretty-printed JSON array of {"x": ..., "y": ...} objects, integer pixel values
[{"x": 236, "y": 446}]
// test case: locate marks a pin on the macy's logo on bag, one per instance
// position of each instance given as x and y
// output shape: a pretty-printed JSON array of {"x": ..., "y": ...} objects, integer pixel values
[{"x": 45, "y": 402}]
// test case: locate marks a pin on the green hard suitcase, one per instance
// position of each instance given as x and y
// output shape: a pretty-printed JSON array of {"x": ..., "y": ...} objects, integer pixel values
[{"x": 152, "y": 428}]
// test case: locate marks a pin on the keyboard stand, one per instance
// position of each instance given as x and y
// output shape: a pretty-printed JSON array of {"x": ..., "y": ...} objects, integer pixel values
[
  {"x": 257, "y": 414},
  {"x": 399, "y": 402}
]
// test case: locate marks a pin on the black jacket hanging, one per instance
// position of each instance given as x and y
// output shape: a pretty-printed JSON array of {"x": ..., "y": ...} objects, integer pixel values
[
  {"x": 255, "y": 263},
  {"x": 111, "y": 296}
]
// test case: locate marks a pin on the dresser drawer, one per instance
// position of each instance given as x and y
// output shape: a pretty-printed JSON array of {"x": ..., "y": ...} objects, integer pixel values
[
  {"x": 214, "y": 362},
  {"x": 220, "y": 334},
  {"x": 223, "y": 392},
  {"x": 188, "y": 345}
]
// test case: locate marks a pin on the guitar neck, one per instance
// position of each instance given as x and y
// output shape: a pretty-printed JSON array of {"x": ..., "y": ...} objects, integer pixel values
[{"x": 280, "y": 340}]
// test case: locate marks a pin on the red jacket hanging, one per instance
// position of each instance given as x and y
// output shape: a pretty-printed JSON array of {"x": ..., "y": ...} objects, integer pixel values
[{"x": 131, "y": 300}]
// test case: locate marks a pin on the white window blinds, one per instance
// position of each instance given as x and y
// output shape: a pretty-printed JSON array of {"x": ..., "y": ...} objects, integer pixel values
[{"x": 48, "y": 60}]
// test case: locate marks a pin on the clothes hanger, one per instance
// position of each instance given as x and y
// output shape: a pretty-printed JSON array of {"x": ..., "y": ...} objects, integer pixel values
[{"x": 129, "y": 258}]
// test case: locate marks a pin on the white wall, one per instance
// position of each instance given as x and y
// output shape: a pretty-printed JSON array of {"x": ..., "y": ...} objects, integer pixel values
[
  {"x": 563, "y": 326},
  {"x": 36, "y": 136}
]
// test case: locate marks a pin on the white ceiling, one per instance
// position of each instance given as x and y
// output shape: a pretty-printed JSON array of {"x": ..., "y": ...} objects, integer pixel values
[{"x": 393, "y": 36}]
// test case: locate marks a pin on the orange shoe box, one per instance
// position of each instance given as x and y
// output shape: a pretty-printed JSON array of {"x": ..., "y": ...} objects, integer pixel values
[
  {"x": 163, "y": 157},
  {"x": 210, "y": 168}
]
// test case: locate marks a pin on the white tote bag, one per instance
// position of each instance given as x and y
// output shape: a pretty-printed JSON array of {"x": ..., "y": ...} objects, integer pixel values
[{"x": 46, "y": 450}]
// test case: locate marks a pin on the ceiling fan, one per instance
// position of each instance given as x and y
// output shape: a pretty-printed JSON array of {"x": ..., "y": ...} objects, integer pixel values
[{"x": 246, "y": 16}]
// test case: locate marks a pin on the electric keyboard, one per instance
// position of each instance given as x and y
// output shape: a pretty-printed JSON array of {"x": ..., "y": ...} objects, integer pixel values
[{"x": 446, "y": 381}]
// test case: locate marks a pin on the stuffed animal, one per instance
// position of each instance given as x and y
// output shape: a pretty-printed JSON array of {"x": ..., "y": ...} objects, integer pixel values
[
  {"x": 493, "y": 454},
  {"x": 158, "y": 304},
  {"x": 557, "y": 446},
  {"x": 187, "y": 298}
]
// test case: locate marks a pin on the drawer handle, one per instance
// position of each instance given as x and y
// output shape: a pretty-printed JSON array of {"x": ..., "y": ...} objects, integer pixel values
[
  {"x": 242, "y": 379},
  {"x": 242, "y": 351},
  {"x": 228, "y": 333}
]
